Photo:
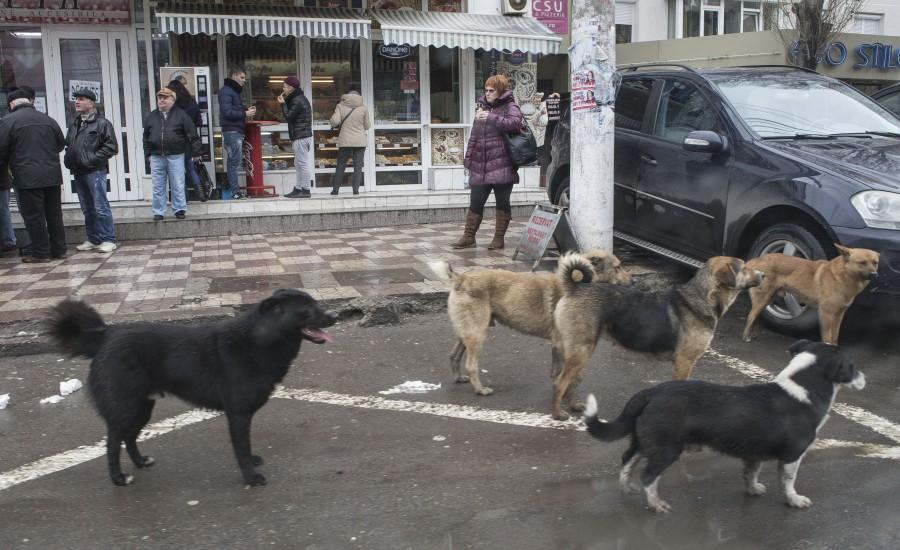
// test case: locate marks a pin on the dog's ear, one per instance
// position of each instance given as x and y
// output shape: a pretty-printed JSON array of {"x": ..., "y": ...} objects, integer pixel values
[
  {"x": 798, "y": 346},
  {"x": 270, "y": 305},
  {"x": 726, "y": 273},
  {"x": 843, "y": 250},
  {"x": 839, "y": 369}
]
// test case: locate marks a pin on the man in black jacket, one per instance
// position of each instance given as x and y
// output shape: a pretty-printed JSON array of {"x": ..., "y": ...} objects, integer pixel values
[
  {"x": 168, "y": 131},
  {"x": 90, "y": 143},
  {"x": 298, "y": 114},
  {"x": 30, "y": 143}
]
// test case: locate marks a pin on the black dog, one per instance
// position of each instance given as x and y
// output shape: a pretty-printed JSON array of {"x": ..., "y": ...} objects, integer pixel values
[
  {"x": 774, "y": 421},
  {"x": 230, "y": 365}
]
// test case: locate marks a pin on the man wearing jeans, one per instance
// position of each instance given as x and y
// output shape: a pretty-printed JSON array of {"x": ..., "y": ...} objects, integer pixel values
[
  {"x": 298, "y": 114},
  {"x": 90, "y": 143},
  {"x": 167, "y": 133},
  {"x": 233, "y": 116}
]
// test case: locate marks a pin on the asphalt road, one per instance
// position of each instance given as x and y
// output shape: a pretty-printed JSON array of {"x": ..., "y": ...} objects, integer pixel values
[{"x": 351, "y": 468}]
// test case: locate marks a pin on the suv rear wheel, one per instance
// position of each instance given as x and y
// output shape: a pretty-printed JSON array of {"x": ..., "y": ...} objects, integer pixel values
[
  {"x": 562, "y": 193},
  {"x": 786, "y": 314}
]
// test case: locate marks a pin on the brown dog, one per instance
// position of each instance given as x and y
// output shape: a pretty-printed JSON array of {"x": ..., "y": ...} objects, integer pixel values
[
  {"x": 678, "y": 322},
  {"x": 521, "y": 301},
  {"x": 829, "y": 285}
]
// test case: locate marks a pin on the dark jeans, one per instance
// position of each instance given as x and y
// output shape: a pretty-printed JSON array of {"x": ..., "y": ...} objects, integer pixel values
[
  {"x": 343, "y": 154},
  {"x": 480, "y": 194},
  {"x": 98, "y": 220},
  {"x": 41, "y": 209}
]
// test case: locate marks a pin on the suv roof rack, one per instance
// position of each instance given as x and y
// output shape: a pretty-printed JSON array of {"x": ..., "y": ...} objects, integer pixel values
[
  {"x": 775, "y": 66},
  {"x": 636, "y": 66}
]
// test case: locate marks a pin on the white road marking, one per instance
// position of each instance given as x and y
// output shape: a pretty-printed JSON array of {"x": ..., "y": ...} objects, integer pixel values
[
  {"x": 80, "y": 455},
  {"x": 74, "y": 457}
]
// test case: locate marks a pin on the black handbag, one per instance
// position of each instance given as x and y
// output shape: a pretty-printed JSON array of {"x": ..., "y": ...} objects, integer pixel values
[
  {"x": 206, "y": 183},
  {"x": 521, "y": 146}
]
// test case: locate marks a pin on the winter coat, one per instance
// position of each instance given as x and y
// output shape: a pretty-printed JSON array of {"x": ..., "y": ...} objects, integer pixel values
[
  {"x": 89, "y": 145},
  {"x": 232, "y": 113},
  {"x": 189, "y": 106},
  {"x": 30, "y": 143},
  {"x": 298, "y": 114},
  {"x": 170, "y": 135},
  {"x": 486, "y": 157},
  {"x": 353, "y": 130}
]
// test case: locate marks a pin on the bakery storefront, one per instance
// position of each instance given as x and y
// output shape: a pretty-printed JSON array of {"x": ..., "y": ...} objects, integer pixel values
[{"x": 417, "y": 63}]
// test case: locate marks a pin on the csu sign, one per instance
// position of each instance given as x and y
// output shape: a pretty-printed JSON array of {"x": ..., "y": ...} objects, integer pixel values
[{"x": 873, "y": 55}]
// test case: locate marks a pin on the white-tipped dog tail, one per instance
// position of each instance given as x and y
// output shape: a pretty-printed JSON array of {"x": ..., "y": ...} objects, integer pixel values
[
  {"x": 442, "y": 269},
  {"x": 590, "y": 409}
]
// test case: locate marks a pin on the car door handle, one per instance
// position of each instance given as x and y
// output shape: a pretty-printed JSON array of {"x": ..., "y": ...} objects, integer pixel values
[{"x": 647, "y": 159}]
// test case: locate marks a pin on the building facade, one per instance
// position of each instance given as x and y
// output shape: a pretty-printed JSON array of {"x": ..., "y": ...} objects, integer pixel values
[{"x": 418, "y": 64}]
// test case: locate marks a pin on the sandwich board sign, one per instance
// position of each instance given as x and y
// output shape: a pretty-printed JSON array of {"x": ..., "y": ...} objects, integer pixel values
[{"x": 537, "y": 234}]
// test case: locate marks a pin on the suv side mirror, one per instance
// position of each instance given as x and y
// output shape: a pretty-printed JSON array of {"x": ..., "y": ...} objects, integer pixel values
[{"x": 704, "y": 141}]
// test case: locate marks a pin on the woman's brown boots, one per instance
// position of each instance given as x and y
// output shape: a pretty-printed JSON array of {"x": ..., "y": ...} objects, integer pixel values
[
  {"x": 473, "y": 221},
  {"x": 500, "y": 230}
]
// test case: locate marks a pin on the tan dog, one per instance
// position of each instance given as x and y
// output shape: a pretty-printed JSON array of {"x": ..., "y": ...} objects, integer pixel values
[
  {"x": 678, "y": 322},
  {"x": 829, "y": 285},
  {"x": 521, "y": 301}
]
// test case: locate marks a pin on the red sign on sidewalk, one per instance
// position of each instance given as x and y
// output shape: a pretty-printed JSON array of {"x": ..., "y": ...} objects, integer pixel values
[{"x": 552, "y": 13}]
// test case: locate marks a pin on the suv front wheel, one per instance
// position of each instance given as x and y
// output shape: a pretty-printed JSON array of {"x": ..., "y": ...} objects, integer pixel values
[
  {"x": 561, "y": 197},
  {"x": 787, "y": 314}
]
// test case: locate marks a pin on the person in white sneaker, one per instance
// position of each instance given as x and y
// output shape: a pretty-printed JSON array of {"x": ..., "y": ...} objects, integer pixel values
[{"x": 90, "y": 143}]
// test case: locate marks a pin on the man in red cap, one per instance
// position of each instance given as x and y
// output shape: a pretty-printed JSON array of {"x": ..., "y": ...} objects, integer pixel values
[{"x": 298, "y": 114}]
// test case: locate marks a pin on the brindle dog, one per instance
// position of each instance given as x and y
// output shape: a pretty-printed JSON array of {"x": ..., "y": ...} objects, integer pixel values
[{"x": 678, "y": 322}]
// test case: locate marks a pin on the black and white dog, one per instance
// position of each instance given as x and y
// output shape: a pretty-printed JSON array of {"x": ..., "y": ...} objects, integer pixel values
[{"x": 774, "y": 421}]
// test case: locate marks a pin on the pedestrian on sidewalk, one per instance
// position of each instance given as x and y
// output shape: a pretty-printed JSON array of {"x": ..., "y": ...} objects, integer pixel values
[
  {"x": 233, "y": 116},
  {"x": 298, "y": 114},
  {"x": 7, "y": 233},
  {"x": 90, "y": 143},
  {"x": 352, "y": 117},
  {"x": 30, "y": 143},
  {"x": 186, "y": 102},
  {"x": 487, "y": 161},
  {"x": 168, "y": 132}
]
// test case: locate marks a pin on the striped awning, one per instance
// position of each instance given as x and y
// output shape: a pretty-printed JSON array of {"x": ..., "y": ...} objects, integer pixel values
[
  {"x": 232, "y": 18},
  {"x": 466, "y": 30}
]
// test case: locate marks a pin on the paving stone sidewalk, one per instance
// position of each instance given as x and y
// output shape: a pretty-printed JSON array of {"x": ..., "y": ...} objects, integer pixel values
[{"x": 194, "y": 273}]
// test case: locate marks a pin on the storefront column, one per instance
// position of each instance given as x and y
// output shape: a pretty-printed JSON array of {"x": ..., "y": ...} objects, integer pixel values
[{"x": 368, "y": 95}]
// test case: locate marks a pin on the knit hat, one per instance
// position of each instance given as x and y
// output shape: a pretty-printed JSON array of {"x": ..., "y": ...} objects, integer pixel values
[
  {"x": 18, "y": 93},
  {"x": 292, "y": 81}
]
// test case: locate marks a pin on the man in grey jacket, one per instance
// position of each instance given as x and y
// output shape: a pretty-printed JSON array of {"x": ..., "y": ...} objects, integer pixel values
[{"x": 90, "y": 143}]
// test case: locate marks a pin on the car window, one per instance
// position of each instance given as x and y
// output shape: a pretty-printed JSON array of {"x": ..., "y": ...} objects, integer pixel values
[
  {"x": 631, "y": 103},
  {"x": 682, "y": 110},
  {"x": 891, "y": 102}
]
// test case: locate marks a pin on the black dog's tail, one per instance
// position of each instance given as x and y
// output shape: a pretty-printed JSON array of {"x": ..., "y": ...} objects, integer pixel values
[
  {"x": 77, "y": 327},
  {"x": 621, "y": 426},
  {"x": 573, "y": 270}
]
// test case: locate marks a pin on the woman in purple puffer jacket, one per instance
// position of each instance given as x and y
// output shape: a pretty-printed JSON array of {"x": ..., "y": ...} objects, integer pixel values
[{"x": 488, "y": 163}]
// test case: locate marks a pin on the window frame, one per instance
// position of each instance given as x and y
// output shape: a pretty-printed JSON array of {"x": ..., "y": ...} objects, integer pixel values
[{"x": 720, "y": 127}]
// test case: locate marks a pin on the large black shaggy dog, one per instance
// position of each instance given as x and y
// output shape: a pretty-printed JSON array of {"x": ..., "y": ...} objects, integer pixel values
[
  {"x": 231, "y": 365},
  {"x": 774, "y": 421}
]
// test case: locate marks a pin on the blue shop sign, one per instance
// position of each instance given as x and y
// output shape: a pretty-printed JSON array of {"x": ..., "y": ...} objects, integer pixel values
[{"x": 873, "y": 55}]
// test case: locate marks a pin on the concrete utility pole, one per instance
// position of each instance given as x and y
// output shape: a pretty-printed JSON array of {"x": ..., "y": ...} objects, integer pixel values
[{"x": 592, "y": 58}]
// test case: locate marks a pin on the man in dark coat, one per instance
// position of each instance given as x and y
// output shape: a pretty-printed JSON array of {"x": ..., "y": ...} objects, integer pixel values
[
  {"x": 30, "y": 143},
  {"x": 298, "y": 114},
  {"x": 233, "y": 116},
  {"x": 90, "y": 143}
]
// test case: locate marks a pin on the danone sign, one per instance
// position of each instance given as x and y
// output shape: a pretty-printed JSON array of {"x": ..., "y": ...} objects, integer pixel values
[
  {"x": 394, "y": 51},
  {"x": 65, "y": 11}
]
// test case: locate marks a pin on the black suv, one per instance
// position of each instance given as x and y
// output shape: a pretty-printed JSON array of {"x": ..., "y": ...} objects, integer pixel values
[{"x": 744, "y": 161}]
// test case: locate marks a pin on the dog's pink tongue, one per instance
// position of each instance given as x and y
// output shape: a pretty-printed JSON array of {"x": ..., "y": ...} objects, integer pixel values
[{"x": 318, "y": 334}]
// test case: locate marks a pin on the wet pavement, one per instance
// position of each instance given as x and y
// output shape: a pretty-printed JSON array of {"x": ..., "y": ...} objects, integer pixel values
[{"x": 349, "y": 467}]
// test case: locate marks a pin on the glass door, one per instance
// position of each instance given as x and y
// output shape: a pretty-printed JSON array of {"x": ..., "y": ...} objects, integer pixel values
[{"x": 98, "y": 61}]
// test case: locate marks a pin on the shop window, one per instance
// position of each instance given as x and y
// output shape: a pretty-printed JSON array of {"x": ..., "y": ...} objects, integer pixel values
[
  {"x": 357, "y": 4},
  {"x": 691, "y": 18},
  {"x": 444, "y": 67},
  {"x": 396, "y": 83},
  {"x": 867, "y": 23},
  {"x": 267, "y": 61},
  {"x": 196, "y": 50},
  {"x": 447, "y": 6},
  {"x": 335, "y": 71},
  {"x": 742, "y": 16},
  {"x": 22, "y": 64},
  {"x": 395, "y": 4},
  {"x": 623, "y": 34}
]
